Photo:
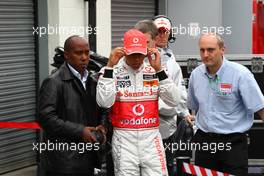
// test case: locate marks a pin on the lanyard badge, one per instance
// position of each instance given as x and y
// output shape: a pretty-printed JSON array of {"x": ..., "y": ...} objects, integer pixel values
[{"x": 223, "y": 89}]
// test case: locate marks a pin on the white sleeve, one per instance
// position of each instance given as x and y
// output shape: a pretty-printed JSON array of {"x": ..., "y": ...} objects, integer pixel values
[
  {"x": 106, "y": 90},
  {"x": 175, "y": 72},
  {"x": 169, "y": 92}
]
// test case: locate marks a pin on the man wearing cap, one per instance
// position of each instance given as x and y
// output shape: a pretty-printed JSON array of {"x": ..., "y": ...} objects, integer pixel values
[
  {"x": 132, "y": 89},
  {"x": 168, "y": 115}
]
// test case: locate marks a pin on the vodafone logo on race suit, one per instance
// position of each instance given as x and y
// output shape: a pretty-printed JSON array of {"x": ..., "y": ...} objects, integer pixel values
[
  {"x": 144, "y": 122},
  {"x": 143, "y": 114},
  {"x": 138, "y": 109}
]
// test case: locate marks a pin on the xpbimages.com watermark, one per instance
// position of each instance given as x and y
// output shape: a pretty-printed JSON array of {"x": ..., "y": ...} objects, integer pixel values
[
  {"x": 194, "y": 30},
  {"x": 65, "y": 30},
  {"x": 211, "y": 147},
  {"x": 63, "y": 146}
]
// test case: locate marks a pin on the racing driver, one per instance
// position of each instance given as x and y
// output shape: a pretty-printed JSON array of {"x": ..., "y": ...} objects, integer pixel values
[{"x": 132, "y": 89}]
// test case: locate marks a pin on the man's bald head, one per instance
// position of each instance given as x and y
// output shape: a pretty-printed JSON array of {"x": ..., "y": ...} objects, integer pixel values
[
  {"x": 219, "y": 39},
  {"x": 76, "y": 53},
  {"x": 68, "y": 44}
]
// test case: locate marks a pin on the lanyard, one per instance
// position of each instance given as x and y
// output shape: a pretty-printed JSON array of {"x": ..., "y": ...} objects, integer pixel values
[{"x": 214, "y": 83}]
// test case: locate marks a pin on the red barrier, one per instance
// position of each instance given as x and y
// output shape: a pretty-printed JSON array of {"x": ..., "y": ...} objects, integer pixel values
[
  {"x": 201, "y": 171},
  {"x": 20, "y": 125}
]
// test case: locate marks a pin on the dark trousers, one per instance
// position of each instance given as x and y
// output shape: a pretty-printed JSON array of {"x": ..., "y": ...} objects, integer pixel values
[
  {"x": 222, "y": 152},
  {"x": 109, "y": 159},
  {"x": 169, "y": 155},
  {"x": 109, "y": 165}
]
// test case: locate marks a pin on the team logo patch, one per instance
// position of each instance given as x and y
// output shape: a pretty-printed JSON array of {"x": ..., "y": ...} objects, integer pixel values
[
  {"x": 135, "y": 40},
  {"x": 225, "y": 88},
  {"x": 138, "y": 109},
  {"x": 149, "y": 77},
  {"x": 125, "y": 77},
  {"x": 120, "y": 70},
  {"x": 150, "y": 83},
  {"x": 123, "y": 84}
]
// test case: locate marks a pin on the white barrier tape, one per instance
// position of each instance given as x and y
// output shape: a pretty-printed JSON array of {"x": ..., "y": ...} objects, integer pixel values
[{"x": 200, "y": 171}]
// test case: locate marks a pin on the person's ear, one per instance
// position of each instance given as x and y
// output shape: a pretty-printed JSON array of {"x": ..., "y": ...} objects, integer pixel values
[
  {"x": 223, "y": 50},
  {"x": 66, "y": 55}
]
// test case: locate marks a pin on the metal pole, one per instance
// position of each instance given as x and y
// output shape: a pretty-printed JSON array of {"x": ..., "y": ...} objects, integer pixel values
[{"x": 92, "y": 23}]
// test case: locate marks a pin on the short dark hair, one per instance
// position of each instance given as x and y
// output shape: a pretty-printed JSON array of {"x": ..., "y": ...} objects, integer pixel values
[
  {"x": 68, "y": 42},
  {"x": 147, "y": 26}
]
